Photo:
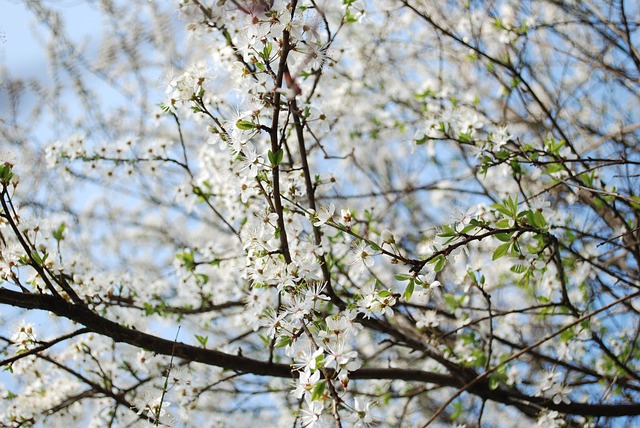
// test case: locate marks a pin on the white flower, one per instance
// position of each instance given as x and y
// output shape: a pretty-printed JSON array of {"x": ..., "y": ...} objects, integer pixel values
[
  {"x": 25, "y": 337},
  {"x": 339, "y": 358},
  {"x": 512, "y": 375},
  {"x": 550, "y": 385},
  {"x": 310, "y": 360},
  {"x": 362, "y": 254},
  {"x": 247, "y": 189},
  {"x": 341, "y": 324},
  {"x": 274, "y": 322},
  {"x": 500, "y": 137},
  {"x": 314, "y": 293},
  {"x": 462, "y": 219},
  {"x": 142, "y": 361},
  {"x": 325, "y": 215},
  {"x": 306, "y": 382},
  {"x": 298, "y": 308},
  {"x": 188, "y": 84},
  {"x": 312, "y": 414},
  {"x": 428, "y": 319},
  {"x": 363, "y": 413},
  {"x": 376, "y": 302},
  {"x": 539, "y": 203},
  {"x": 153, "y": 406},
  {"x": 346, "y": 218},
  {"x": 251, "y": 161},
  {"x": 387, "y": 237},
  {"x": 550, "y": 420}
]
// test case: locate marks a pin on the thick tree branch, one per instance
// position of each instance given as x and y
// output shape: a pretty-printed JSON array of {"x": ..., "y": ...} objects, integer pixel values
[{"x": 119, "y": 333}]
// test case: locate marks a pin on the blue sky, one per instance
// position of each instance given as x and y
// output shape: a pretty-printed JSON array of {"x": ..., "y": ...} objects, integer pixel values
[{"x": 20, "y": 51}]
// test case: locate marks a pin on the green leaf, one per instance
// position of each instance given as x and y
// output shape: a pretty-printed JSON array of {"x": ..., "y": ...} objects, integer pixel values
[
  {"x": 58, "y": 234},
  {"x": 245, "y": 125},
  {"x": 503, "y": 224},
  {"x": 202, "y": 340},
  {"x": 529, "y": 216},
  {"x": 148, "y": 308},
  {"x": 6, "y": 174},
  {"x": 318, "y": 391},
  {"x": 447, "y": 231},
  {"x": 201, "y": 278},
  {"x": 422, "y": 140},
  {"x": 39, "y": 259},
  {"x": 283, "y": 341},
  {"x": 467, "y": 229},
  {"x": 266, "y": 52},
  {"x": 275, "y": 158},
  {"x": 512, "y": 204},
  {"x": 408, "y": 292},
  {"x": 187, "y": 258},
  {"x": 539, "y": 219},
  {"x": 504, "y": 210},
  {"x": 451, "y": 301},
  {"x": 501, "y": 250},
  {"x": 440, "y": 264},
  {"x": 502, "y": 155},
  {"x": 464, "y": 137},
  {"x": 493, "y": 383},
  {"x": 553, "y": 167},
  {"x": 518, "y": 269},
  {"x": 504, "y": 237}
]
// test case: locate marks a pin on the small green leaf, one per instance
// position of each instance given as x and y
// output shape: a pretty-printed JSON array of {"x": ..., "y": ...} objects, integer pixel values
[
  {"x": 149, "y": 308},
  {"x": 201, "y": 278},
  {"x": 202, "y": 340},
  {"x": 275, "y": 158},
  {"x": 503, "y": 224},
  {"x": 58, "y": 234},
  {"x": 504, "y": 237},
  {"x": 245, "y": 125},
  {"x": 447, "y": 231},
  {"x": 464, "y": 137},
  {"x": 502, "y": 155},
  {"x": 266, "y": 52},
  {"x": 504, "y": 210},
  {"x": 422, "y": 140},
  {"x": 6, "y": 174},
  {"x": 408, "y": 292},
  {"x": 451, "y": 301},
  {"x": 518, "y": 269},
  {"x": 283, "y": 341},
  {"x": 440, "y": 264},
  {"x": 553, "y": 167},
  {"x": 38, "y": 258},
  {"x": 467, "y": 229},
  {"x": 501, "y": 250},
  {"x": 493, "y": 383},
  {"x": 318, "y": 391},
  {"x": 539, "y": 219}
]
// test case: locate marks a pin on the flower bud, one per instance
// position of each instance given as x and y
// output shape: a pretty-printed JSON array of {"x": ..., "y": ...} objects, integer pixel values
[{"x": 387, "y": 237}]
